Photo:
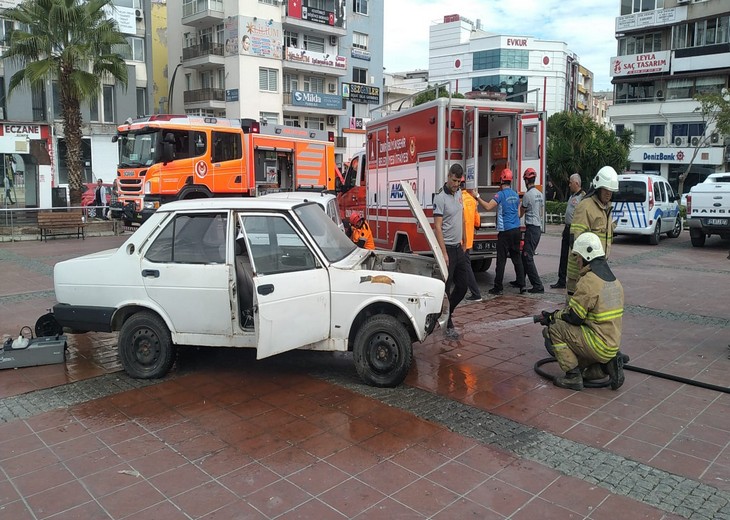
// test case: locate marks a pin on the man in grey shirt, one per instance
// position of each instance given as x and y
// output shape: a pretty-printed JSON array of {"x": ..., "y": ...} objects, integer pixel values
[
  {"x": 448, "y": 224},
  {"x": 576, "y": 195},
  {"x": 532, "y": 207}
]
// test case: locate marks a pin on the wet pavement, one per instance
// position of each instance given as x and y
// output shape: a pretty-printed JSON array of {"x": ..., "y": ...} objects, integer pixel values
[{"x": 474, "y": 431}]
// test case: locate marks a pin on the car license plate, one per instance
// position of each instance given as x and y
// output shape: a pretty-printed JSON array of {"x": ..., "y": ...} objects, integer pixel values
[
  {"x": 717, "y": 222},
  {"x": 484, "y": 245}
]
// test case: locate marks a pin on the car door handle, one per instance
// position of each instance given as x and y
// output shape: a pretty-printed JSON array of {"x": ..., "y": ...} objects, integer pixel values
[
  {"x": 265, "y": 289},
  {"x": 154, "y": 273}
]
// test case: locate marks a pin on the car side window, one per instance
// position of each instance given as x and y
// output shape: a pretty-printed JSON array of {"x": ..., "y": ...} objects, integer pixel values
[
  {"x": 275, "y": 245},
  {"x": 196, "y": 238},
  {"x": 658, "y": 192}
]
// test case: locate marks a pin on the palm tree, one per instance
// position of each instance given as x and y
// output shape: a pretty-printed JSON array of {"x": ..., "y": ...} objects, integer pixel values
[{"x": 73, "y": 43}]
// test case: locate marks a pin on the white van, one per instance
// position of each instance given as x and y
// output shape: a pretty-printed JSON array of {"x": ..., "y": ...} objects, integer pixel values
[{"x": 646, "y": 204}]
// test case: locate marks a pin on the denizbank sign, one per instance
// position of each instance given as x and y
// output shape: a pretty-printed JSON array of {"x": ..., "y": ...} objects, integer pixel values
[{"x": 709, "y": 155}]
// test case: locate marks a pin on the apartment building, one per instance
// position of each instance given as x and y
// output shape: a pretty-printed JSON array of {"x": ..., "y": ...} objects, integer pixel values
[
  {"x": 31, "y": 133},
  {"x": 305, "y": 63},
  {"x": 507, "y": 66},
  {"x": 667, "y": 52}
]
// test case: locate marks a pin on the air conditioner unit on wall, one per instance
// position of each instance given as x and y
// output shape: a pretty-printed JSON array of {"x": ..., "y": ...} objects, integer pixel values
[
  {"x": 680, "y": 140},
  {"x": 331, "y": 87},
  {"x": 659, "y": 96},
  {"x": 695, "y": 140},
  {"x": 331, "y": 120},
  {"x": 333, "y": 40},
  {"x": 715, "y": 138},
  {"x": 659, "y": 141},
  {"x": 138, "y": 14}
]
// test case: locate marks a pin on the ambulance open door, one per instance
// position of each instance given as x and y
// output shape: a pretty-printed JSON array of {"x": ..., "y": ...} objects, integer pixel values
[
  {"x": 471, "y": 145},
  {"x": 531, "y": 148}
]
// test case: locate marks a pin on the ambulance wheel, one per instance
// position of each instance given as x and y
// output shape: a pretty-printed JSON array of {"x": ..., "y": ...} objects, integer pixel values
[
  {"x": 145, "y": 346},
  {"x": 654, "y": 237},
  {"x": 697, "y": 237},
  {"x": 382, "y": 351},
  {"x": 677, "y": 229}
]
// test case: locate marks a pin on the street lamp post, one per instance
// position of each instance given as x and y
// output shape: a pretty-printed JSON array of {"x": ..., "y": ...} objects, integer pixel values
[{"x": 172, "y": 86}]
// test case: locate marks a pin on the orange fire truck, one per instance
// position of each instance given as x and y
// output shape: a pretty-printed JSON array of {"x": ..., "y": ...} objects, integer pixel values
[
  {"x": 418, "y": 145},
  {"x": 171, "y": 157}
]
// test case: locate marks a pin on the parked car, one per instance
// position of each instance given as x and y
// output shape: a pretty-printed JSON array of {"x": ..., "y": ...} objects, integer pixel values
[
  {"x": 264, "y": 273},
  {"x": 646, "y": 204},
  {"x": 708, "y": 208},
  {"x": 327, "y": 201},
  {"x": 88, "y": 197}
]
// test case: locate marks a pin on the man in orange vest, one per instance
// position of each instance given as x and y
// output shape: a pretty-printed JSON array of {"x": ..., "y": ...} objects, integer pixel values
[
  {"x": 471, "y": 221},
  {"x": 361, "y": 234}
]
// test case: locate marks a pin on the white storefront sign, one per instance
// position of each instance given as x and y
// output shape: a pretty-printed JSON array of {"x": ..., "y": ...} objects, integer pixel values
[
  {"x": 647, "y": 63},
  {"x": 683, "y": 155}
]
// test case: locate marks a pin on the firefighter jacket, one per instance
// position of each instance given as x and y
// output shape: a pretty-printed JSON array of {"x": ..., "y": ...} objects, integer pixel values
[
  {"x": 590, "y": 215},
  {"x": 471, "y": 218},
  {"x": 600, "y": 304},
  {"x": 363, "y": 233}
]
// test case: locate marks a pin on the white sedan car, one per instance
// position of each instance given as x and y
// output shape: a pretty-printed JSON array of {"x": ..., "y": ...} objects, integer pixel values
[{"x": 274, "y": 275}]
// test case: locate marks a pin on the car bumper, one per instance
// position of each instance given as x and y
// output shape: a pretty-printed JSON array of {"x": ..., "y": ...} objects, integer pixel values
[
  {"x": 628, "y": 230},
  {"x": 84, "y": 318}
]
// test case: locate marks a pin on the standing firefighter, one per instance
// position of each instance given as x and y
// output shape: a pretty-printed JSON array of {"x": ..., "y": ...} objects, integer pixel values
[
  {"x": 594, "y": 214},
  {"x": 585, "y": 336},
  {"x": 361, "y": 234}
]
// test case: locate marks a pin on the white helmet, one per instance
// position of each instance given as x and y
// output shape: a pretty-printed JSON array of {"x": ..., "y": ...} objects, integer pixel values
[
  {"x": 606, "y": 178},
  {"x": 589, "y": 246}
]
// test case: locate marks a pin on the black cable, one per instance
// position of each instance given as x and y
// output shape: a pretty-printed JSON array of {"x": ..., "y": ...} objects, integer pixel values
[{"x": 601, "y": 384}]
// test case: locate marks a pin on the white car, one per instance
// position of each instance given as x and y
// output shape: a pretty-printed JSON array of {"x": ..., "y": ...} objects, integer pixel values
[
  {"x": 327, "y": 201},
  {"x": 274, "y": 275},
  {"x": 646, "y": 204}
]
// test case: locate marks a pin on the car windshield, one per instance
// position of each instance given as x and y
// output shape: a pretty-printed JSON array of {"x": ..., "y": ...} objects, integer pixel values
[
  {"x": 630, "y": 191},
  {"x": 331, "y": 240},
  {"x": 137, "y": 149}
]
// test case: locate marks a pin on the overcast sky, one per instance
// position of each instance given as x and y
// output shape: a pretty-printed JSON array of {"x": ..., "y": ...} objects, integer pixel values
[{"x": 587, "y": 27}]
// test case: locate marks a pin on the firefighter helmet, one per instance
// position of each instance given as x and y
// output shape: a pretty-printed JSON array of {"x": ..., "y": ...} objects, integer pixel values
[
  {"x": 530, "y": 174},
  {"x": 606, "y": 178},
  {"x": 589, "y": 246},
  {"x": 354, "y": 218},
  {"x": 506, "y": 175}
]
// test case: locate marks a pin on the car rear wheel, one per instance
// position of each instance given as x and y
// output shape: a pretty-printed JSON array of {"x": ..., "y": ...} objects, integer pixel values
[
  {"x": 697, "y": 237},
  {"x": 382, "y": 351},
  {"x": 145, "y": 346},
  {"x": 481, "y": 265},
  {"x": 654, "y": 237},
  {"x": 677, "y": 229}
]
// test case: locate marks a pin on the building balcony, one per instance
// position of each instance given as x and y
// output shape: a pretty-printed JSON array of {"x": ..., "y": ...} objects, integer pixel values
[
  {"x": 202, "y": 13},
  {"x": 205, "y": 98},
  {"x": 204, "y": 56}
]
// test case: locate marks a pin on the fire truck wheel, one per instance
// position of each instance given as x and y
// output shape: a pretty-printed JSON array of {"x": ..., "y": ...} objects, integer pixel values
[
  {"x": 145, "y": 346},
  {"x": 382, "y": 351}
]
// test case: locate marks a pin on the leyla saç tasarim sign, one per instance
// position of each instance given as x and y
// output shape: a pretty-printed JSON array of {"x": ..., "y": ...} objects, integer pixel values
[{"x": 646, "y": 63}]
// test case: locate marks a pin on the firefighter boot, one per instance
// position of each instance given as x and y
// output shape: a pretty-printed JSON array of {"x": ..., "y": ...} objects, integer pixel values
[
  {"x": 615, "y": 369},
  {"x": 572, "y": 380},
  {"x": 594, "y": 372}
]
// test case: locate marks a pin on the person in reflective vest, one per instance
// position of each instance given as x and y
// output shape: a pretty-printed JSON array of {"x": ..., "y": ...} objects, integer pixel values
[{"x": 361, "y": 234}]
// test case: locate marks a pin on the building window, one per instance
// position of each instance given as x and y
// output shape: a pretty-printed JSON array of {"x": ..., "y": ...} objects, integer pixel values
[
  {"x": 645, "y": 134},
  {"x": 360, "y": 6},
  {"x": 38, "y": 102},
  {"x": 314, "y": 84},
  {"x": 359, "y": 75},
  {"x": 360, "y": 41},
  {"x": 508, "y": 85},
  {"x": 142, "y": 101},
  {"x": 56, "y": 100},
  {"x": 108, "y": 104},
  {"x": 268, "y": 79},
  {"x": 269, "y": 2},
  {"x": 501, "y": 59},
  {"x": 629, "y": 45},
  {"x": 291, "y": 39},
  {"x": 188, "y": 82},
  {"x": 133, "y": 51},
  {"x": 704, "y": 32},
  {"x": 292, "y": 121},
  {"x": 6, "y": 27},
  {"x": 291, "y": 83},
  {"x": 319, "y": 4},
  {"x": 687, "y": 130},
  {"x": 639, "y": 6},
  {"x": 314, "y": 123},
  {"x": 269, "y": 118},
  {"x": 313, "y": 43}
]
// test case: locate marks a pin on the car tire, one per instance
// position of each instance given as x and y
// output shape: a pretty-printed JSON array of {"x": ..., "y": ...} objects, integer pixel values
[
  {"x": 677, "y": 229},
  {"x": 697, "y": 237},
  {"x": 145, "y": 346},
  {"x": 382, "y": 351},
  {"x": 481, "y": 265},
  {"x": 654, "y": 237}
]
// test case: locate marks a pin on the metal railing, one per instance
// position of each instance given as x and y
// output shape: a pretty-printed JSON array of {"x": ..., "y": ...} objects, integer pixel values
[
  {"x": 16, "y": 223},
  {"x": 204, "y": 49},
  {"x": 204, "y": 94}
]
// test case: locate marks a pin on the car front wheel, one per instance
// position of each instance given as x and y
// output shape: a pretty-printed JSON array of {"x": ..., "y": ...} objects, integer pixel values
[
  {"x": 677, "y": 229},
  {"x": 382, "y": 351},
  {"x": 145, "y": 346}
]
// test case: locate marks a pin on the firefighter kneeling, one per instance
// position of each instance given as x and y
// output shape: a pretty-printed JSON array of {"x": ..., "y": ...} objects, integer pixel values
[{"x": 585, "y": 337}]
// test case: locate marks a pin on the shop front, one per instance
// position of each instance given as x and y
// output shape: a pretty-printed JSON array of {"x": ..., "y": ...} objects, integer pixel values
[{"x": 26, "y": 166}]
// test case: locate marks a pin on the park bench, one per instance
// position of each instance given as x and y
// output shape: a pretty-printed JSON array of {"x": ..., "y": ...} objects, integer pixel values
[{"x": 55, "y": 223}]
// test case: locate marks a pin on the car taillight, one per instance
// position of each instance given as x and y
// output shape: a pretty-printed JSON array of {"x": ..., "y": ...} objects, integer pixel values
[
  {"x": 689, "y": 204},
  {"x": 651, "y": 197}
]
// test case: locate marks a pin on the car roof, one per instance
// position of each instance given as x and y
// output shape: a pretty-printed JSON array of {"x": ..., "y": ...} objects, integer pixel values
[
  {"x": 236, "y": 203},
  {"x": 298, "y": 195},
  {"x": 640, "y": 177}
]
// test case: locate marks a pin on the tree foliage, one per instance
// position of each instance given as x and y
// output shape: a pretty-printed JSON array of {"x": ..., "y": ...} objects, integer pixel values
[
  {"x": 577, "y": 144},
  {"x": 430, "y": 95},
  {"x": 715, "y": 110},
  {"x": 71, "y": 42}
]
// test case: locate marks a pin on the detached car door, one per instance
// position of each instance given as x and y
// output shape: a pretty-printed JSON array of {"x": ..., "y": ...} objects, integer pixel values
[
  {"x": 185, "y": 272},
  {"x": 292, "y": 288}
]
